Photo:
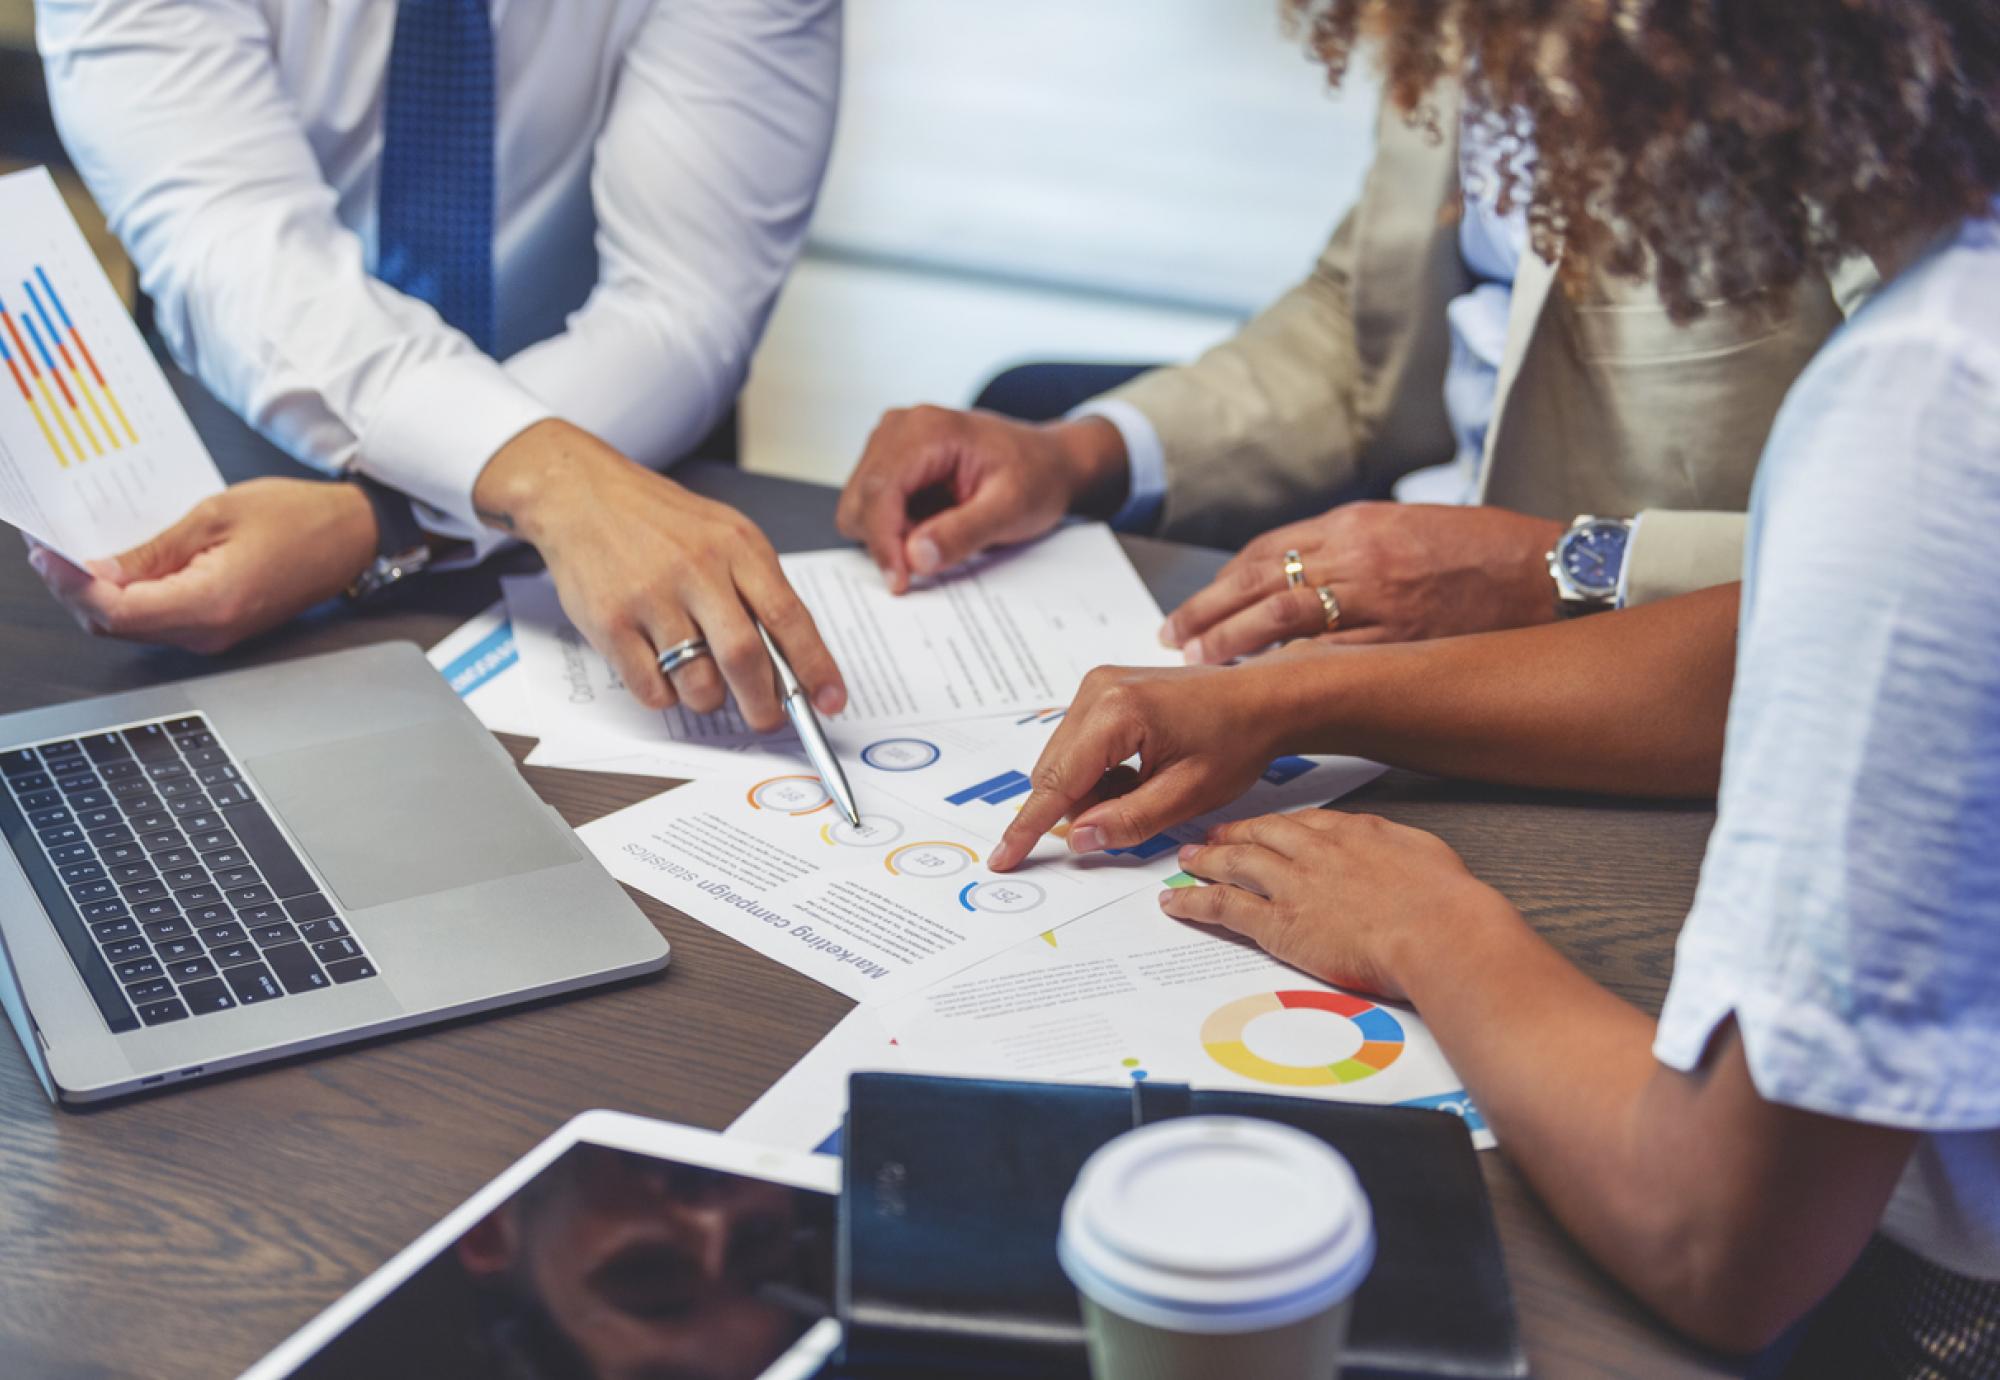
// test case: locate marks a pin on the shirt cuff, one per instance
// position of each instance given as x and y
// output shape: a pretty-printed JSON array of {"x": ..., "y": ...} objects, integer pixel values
[
  {"x": 1673, "y": 552},
  {"x": 1625, "y": 565},
  {"x": 438, "y": 426},
  {"x": 1145, "y": 462}
]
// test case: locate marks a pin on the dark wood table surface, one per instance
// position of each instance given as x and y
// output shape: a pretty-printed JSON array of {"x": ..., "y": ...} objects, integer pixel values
[{"x": 184, "y": 1234}]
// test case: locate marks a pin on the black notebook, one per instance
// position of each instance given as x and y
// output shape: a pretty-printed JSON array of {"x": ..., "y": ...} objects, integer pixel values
[{"x": 953, "y": 1196}]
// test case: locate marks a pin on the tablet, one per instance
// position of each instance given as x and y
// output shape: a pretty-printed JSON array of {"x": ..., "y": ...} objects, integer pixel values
[{"x": 618, "y": 1249}]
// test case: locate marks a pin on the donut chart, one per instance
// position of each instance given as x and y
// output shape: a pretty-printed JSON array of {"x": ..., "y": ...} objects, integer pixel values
[
  {"x": 790, "y": 795},
  {"x": 930, "y": 858},
  {"x": 901, "y": 754},
  {"x": 1222, "y": 1036}
]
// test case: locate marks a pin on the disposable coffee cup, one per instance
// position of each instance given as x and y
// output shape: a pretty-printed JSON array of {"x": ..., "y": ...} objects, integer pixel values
[{"x": 1216, "y": 1248}]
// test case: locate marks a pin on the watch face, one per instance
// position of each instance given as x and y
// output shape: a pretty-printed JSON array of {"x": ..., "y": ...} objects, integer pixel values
[{"x": 1593, "y": 556}]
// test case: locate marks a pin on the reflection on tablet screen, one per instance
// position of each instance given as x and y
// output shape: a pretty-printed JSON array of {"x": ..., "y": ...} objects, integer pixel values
[{"x": 608, "y": 1266}]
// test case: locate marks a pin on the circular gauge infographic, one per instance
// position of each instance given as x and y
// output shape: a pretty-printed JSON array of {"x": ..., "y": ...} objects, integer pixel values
[
  {"x": 790, "y": 795},
  {"x": 874, "y": 831},
  {"x": 900, "y": 754},
  {"x": 930, "y": 859},
  {"x": 1003, "y": 897},
  {"x": 1302, "y": 1039}
]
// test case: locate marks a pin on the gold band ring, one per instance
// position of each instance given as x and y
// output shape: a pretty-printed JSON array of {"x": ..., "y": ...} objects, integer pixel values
[
  {"x": 1295, "y": 570},
  {"x": 1330, "y": 604}
]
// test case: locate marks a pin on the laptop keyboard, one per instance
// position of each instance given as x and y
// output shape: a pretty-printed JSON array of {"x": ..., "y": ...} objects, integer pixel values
[{"x": 172, "y": 889}]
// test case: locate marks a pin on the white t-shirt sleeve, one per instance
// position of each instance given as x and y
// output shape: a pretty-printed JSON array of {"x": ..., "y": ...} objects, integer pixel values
[{"x": 1849, "y": 909}]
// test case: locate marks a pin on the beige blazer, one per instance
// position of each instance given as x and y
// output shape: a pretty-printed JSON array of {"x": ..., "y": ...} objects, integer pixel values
[{"x": 1604, "y": 405}]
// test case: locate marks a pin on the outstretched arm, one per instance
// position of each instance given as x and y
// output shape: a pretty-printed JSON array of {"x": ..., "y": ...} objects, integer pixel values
[{"x": 1631, "y": 703}]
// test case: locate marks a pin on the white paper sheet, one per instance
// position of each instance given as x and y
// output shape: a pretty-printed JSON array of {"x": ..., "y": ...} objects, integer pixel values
[
  {"x": 897, "y": 904},
  {"x": 479, "y": 661},
  {"x": 1013, "y": 633},
  {"x": 1128, "y": 994},
  {"x": 1125, "y": 995},
  {"x": 96, "y": 455},
  {"x": 906, "y": 900}
]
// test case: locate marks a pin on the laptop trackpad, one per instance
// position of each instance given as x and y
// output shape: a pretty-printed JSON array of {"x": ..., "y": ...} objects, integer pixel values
[{"x": 410, "y": 812}]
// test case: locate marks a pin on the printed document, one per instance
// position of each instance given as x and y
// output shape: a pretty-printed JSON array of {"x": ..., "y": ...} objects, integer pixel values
[
  {"x": 906, "y": 899},
  {"x": 96, "y": 455},
  {"x": 1129, "y": 994},
  {"x": 1015, "y": 632},
  {"x": 478, "y": 661},
  {"x": 1125, "y": 995}
]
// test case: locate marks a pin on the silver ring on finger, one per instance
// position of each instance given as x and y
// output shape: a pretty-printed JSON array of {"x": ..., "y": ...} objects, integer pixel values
[
  {"x": 1329, "y": 604},
  {"x": 682, "y": 652},
  {"x": 1295, "y": 570}
]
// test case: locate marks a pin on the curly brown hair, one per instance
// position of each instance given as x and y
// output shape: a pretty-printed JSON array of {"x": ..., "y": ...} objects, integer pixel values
[{"x": 1725, "y": 147}]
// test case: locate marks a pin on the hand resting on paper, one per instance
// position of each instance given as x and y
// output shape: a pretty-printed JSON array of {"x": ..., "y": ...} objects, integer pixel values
[
  {"x": 936, "y": 487},
  {"x": 240, "y": 562},
  {"x": 642, "y": 564},
  {"x": 1402, "y": 572},
  {"x": 1340, "y": 896}
]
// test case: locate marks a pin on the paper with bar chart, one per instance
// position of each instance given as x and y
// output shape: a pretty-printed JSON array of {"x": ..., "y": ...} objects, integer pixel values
[
  {"x": 876, "y": 911},
  {"x": 96, "y": 454},
  {"x": 906, "y": 899}
]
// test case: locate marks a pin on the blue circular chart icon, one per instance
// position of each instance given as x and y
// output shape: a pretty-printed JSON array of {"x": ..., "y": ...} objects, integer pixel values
[
  {"x": 1005, "y": 897},
  {"x": 900, "y": 754}
]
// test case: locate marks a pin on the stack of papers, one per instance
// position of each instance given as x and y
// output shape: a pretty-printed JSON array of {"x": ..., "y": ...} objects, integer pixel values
[{"x": 1062, "y": 969}]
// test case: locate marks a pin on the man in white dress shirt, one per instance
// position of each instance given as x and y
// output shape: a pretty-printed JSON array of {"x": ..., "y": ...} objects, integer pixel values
[{"x": 500, "y": 258}]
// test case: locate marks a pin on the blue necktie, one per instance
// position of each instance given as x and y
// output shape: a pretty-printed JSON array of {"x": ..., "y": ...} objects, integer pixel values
[{"x": 434, "y": 227}]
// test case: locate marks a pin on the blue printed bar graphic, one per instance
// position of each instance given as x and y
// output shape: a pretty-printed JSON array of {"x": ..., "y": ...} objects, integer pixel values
[
  {"x": 1287, "y": 769},
  {"x": 1147, "y": 851},
  {"x": 993, "y": 791},
  {"x": 493, "y": 654}
]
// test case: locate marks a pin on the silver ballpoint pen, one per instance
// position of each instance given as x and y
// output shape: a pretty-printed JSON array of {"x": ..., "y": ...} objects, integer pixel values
[{"x": 798, "y": 707}]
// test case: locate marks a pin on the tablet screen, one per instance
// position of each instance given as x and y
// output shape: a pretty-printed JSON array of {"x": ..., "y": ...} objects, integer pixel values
[{"x": 608, "y": 1265}]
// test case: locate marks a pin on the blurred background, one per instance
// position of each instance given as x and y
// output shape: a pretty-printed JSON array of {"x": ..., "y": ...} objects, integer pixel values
[{"x": 1111, "y": 180}]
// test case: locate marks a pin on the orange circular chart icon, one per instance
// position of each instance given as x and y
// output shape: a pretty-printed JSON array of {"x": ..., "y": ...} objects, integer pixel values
[
  {"x": 790, "y": 795},
  {"x": 930, "y": 859}
]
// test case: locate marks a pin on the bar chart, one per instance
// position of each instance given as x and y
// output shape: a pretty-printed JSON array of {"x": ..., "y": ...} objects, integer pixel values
[{"x": 96, "y": 454}]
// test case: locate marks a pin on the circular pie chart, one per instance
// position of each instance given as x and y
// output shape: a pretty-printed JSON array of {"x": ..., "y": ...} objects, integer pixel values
[{"x": 1226, "y": 1037}]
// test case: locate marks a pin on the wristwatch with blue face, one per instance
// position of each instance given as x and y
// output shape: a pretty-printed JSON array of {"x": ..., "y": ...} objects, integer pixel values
[{"x": 1586, "y": 564}]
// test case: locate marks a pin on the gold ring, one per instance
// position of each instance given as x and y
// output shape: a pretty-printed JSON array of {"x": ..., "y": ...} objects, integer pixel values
[
  {"x": 1295, "y": 570},
  {"x": 1330, "y": 604}
]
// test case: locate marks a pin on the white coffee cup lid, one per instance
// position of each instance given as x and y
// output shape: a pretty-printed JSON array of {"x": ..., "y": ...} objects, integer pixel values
[{"x": 1216, "y": 1224}]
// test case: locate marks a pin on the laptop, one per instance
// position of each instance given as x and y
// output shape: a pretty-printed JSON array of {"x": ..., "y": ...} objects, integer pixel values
[{"x": 212, "y": 874}]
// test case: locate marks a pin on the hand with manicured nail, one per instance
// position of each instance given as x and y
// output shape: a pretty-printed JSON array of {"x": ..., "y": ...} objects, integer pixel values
[
  {"x": 936, "y": 487},
  {"x": 1202, "y": 736}
]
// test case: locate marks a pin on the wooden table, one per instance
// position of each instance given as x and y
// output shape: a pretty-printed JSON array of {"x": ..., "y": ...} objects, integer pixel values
[{"x": 185, "y": 1234}]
